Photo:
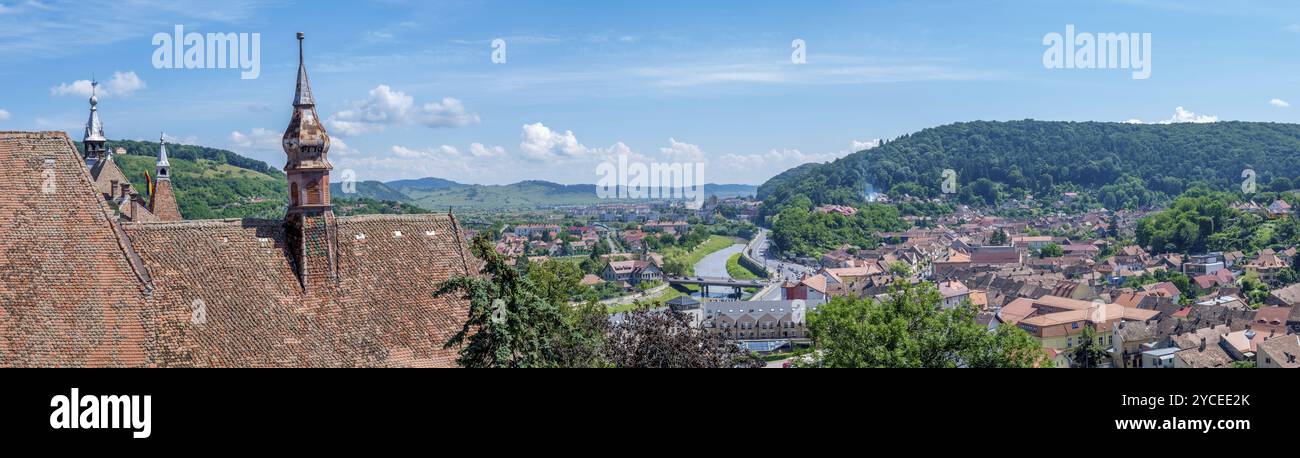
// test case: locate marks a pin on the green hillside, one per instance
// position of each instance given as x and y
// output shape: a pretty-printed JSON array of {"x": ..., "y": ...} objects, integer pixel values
[
  {"x": 1122, "y": 165},
  {"x": 212, "y": 183},
  {"x": 215, "y": 183},
  {"x": 206, "y": 189}
]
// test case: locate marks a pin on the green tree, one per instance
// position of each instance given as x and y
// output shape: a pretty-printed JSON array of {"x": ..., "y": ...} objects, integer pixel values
[
  {"x": 1089, "y": 353},
  {"x": 911, "y": 328},
  {"x": 1254, "y": 289},
  {"x": 509, "y": 323},
  {"x": 1051, "y": 250},
  {"x": 999, "y": 238},
  {"x": 556, "y": 281}
]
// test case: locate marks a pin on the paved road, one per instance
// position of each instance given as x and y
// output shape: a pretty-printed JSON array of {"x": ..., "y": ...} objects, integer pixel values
[{"x": 786, "y": 271}]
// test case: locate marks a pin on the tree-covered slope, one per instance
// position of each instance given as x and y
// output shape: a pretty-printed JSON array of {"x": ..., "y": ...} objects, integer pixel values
[
  {"x": 214, "y": 183},
  {"x": 1124, "y": 165}
]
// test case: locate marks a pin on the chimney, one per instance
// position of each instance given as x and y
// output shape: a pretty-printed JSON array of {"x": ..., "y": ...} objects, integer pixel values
[{"x": 1202, "y": 344}]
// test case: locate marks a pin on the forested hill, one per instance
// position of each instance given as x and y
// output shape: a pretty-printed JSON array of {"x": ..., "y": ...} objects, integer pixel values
[
  {"x": 215, "y": 183},
  {"x": 1123, "y": 165}
]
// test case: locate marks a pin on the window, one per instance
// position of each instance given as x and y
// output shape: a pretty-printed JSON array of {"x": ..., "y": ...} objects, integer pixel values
[
  {"x": 313, "y": 193},
  {"x": 293, "y": 194}
]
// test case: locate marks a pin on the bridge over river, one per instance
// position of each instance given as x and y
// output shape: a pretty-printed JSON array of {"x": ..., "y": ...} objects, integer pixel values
[{"x": 705, "y": 282}]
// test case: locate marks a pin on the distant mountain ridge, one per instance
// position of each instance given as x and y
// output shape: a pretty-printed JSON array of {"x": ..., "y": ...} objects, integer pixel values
[
  {"x": 438, "y": 193},
  {"x": 216, "y": 183}
]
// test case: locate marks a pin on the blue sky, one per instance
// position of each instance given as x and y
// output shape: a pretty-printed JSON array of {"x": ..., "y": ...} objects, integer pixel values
[{"x": 408, "y": 89}]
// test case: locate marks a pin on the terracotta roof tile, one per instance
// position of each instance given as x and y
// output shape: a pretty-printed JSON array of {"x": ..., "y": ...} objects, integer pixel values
[
  {"x": 68, "y": 295},
  {"x": 80, "y": 289}
]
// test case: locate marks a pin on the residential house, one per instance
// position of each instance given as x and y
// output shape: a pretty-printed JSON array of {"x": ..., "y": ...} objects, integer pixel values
[
  {"x": 1201, "y": 348},
  {"x": 1204, "y": 264},
  {"x": 1035, "y": 242},
  {"x": 632, "y": 272},
  {"x": 996, "y": 255},
  {"x": 758, "y": 320},
  {"x": 1280, "y": 352},
  {"x": 1266, "y": 266},
  {"x": 1057, "y": 322},
  {"x": 1279, "y": 208},
  {"x": 954, "y": 292}
]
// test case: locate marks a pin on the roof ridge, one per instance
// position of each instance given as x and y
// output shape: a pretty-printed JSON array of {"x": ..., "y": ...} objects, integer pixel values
[
  {"x": 384, "y": 217},
  {"x": 33, "y": 134},
  {"x": 201, "y": 222}
]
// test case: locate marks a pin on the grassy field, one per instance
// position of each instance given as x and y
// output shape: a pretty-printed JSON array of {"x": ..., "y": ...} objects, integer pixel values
[
  {"x": 712, "y": 244},
  {"x": 739, "y": 271},
  {"x": 666, "y": 295}
]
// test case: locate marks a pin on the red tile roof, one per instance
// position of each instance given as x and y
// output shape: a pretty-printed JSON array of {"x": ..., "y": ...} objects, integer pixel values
[
  {"x": 68, "y": 295},
  {"x": 78, "y": 289}
]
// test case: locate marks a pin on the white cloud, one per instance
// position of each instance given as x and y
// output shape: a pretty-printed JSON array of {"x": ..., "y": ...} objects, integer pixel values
[
  {"x": 1181, "y": 115},
  {"x": 448, "y": 113},
  {"x": 186, "y": 140},
  {"x": 257, "y": 139},
  {"x": 384, "y": 107},
  {"x": 778, "y": 160},
  {"x": 540, "y": 142},
  {"x": 338, "y": 147},
  {"x": 4, "y": 114},
  {"x": 406, "y": 153},
  {"x": 411, "y": 153},
  {"x": 682, "y": 151},
  {"x": 1279, "y": 103},
  {"x": 122, "y": 83},
  {"x": 478, "y": 150},
  {"x": 1294, "y": 28},
  {"x": 865, "y": 144}
]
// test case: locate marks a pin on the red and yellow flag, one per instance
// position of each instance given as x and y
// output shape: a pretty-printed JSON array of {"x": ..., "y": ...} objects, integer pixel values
[{"x": 148, "y": 183}]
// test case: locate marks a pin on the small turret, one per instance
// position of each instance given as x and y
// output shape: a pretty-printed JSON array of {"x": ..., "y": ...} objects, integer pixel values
[{"x": 93, "y": 140}]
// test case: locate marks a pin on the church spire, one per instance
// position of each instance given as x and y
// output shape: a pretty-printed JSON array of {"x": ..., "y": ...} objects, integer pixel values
[
  {"x": 310, "y": 231},
  {"x": 162, "y": 199},
  {"x": 93, "y": 141},
  {"x": 306, "y": 145},
  {"x": 163, "y": 168},
  {"x": 302, "y": 96}
]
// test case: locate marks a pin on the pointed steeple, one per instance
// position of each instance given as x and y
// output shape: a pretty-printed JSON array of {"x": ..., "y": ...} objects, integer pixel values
[
  {"x": 302, "y": 96},
  {"x": 163, "y": 168},
  {"x": 306, "y": 145},
  {"x": 310, "y": 230},
  {"x": 93, "y": 141}
]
